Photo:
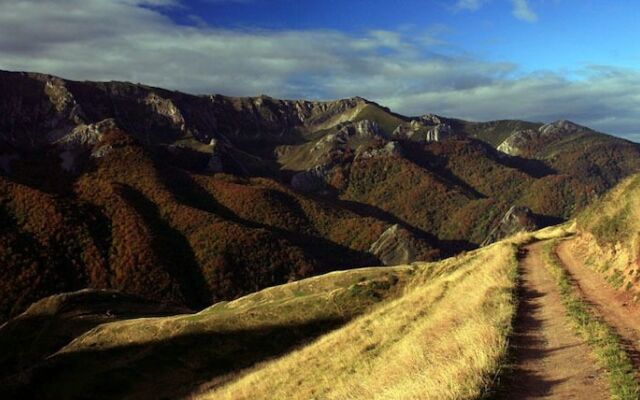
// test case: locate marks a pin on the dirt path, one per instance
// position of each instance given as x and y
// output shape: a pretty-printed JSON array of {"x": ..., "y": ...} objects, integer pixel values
[
  {"x": 616, "y": 307},
  {"x": 551, "y": 362}
]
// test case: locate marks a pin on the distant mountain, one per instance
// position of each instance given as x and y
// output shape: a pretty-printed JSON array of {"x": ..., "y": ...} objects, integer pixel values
[{"x": 196, "y": 199}]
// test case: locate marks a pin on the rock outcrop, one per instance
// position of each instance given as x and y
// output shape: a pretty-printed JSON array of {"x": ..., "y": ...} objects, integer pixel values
[
  {"x": 215, "y": 161},
  {"x": 523, "y": 141},
  {"x": 397, "y": 245},
  {"x": 390, "y": 149},
  {"x": 81, "y": 140},
  {"x": 427, "y": 128},
  {"x": 332, "y": 148},
  {"x": 517, "y": 219}
]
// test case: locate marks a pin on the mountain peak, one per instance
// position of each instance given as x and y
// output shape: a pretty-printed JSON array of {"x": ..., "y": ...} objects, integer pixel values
[{"x": 562, "y": 126}]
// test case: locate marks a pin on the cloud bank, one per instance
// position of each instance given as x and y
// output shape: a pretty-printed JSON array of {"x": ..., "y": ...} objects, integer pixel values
[{"x": 133, "y": 40}]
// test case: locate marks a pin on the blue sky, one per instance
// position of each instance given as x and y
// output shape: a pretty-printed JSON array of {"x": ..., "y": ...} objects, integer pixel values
[
  {"x": 555, "y": 34},
  {"x": 477, "y": 59}
]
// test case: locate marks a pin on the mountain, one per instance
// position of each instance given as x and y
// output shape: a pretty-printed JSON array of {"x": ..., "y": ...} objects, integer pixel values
[{"x": 197, "y": 199}]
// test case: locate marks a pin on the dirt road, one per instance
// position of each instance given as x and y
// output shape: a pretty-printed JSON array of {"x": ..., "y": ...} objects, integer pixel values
[
  {"x": 616, "y": 307},
  {"x": 551, "y": 361}
]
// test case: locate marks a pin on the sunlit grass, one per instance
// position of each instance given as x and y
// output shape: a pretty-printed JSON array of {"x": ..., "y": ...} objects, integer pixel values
[
  {"x": 604, "y": 342},
  {"x": 446, "y": 337}
]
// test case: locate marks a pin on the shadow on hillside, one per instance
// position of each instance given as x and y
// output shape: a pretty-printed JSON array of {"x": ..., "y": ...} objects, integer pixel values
[
  {"x": 331, "y": 255},
  {"x": 533, "y": 167},
  {"x": 448, "y": 247},
  {"x": 548, "y": 220},
  {"x": 34, "y": 270},
  {"x": 172, "y": 368},
  {"x": 418, "y": 154},
  {"x": 173, "y": 248},
  {"x": 40, "y": 169},
  {"x": 28, "y": 340}
]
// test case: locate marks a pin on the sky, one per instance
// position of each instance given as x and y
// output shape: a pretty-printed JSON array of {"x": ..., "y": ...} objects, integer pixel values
[{"x": 539, "y": 60}]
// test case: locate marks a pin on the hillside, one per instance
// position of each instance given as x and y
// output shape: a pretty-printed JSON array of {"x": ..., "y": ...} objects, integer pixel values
[
  {"x": 197, "y": 199},
  {"x": 366, "y": 319},
  {"x": 608, "y": 235}
]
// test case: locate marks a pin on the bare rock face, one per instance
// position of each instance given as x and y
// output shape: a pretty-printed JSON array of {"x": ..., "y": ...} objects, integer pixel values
[
  {"x": 166, "y": 108},
  {"x": 396, "y": 246},
  {"x": 390, "y": 149},
  {"x": 561, "y": 127},
  {"x": 63, "y": 102},
  {"x": 331, "y": 149},
  {"x": 428, "y": 128},
  {"x": 517, "y": 219},
  {"x": 87, "y": 135},
  {"x": 515, "y": 144},
  {"x": 269, "y": 120},
  {"x": 82, "y": 139},
  {"x": 520, "y": 142},
  {"x": 364, "y": 129}
]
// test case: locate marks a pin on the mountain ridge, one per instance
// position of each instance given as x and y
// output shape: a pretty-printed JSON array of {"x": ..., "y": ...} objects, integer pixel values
[{"x": 196, "y": 199}]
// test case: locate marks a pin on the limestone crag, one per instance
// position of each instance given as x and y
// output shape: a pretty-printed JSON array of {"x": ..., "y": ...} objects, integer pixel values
[
  {"x": 427, "y": 128},
  {"x": 397, "y": 245},
  {"x": 390, "y": 149},
  {"x": 215, "y": 163},
  {"x": 522, "y": 142},
  {"x": 166, "y": 108},
  {"x": 517, "y": 219},
  {"x": 333, "y": 148},
  {"x": 82, "y": 139}
]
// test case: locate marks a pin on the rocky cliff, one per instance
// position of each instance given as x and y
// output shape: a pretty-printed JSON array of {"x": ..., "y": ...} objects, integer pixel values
[{"x": 517, "y": 219}]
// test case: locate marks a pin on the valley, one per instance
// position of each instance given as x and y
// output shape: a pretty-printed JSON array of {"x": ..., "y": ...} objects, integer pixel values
[
  {"x": 161, "y": 244},
  {"x": 319, "y": 200},
  {"x": 198, "y": 199}
]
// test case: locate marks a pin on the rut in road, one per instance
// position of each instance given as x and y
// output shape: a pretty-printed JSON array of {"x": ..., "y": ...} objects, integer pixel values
[{"x": 550, "y": 360}]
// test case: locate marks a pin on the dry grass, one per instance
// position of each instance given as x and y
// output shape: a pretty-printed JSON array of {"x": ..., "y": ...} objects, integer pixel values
[
  {"x": 422, "y": 331},
  {"x": 170, "y": 357},
  {"x": 604, "y": 342},
  {"x": 609, "y": 235},
  {"x": 444, "y": 338}
]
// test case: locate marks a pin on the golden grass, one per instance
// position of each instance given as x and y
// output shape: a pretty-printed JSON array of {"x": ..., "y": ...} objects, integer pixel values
[
  {"x": 609, "y": 235},
  {"x": 336, "y": 295},
  {"x": 445, "y": 338},
  {"x": 604, "y": 342}
]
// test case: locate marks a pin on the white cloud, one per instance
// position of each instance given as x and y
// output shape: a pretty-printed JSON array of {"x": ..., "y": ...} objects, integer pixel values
[
  {"x": 119, "y": 40},
  {"x": 522, "y": 10}
]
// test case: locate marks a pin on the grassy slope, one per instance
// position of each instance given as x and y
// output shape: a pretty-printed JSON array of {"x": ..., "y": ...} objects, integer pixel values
[
  {"x": 387, "y": 120},
  {"x": 51, "y": 323},
  {"x": 607, "y": 346},
  {"x": 609, "y": 235},
  {"x": 166, "y": 357},
  {"x": 495, "y": 132},
  {"x": 444, "y": 338},
  {"x": 426, "y": 330}
]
